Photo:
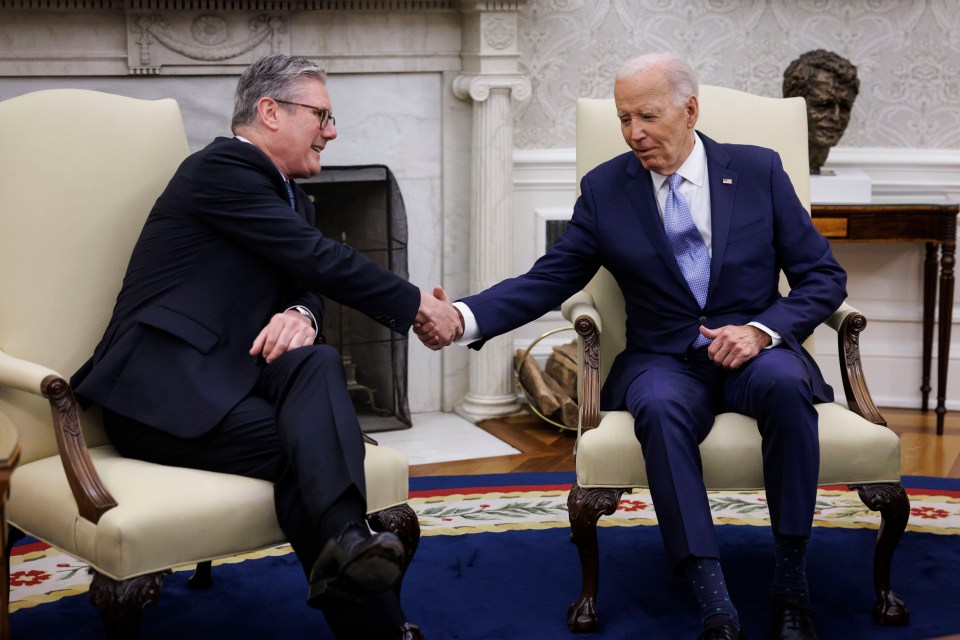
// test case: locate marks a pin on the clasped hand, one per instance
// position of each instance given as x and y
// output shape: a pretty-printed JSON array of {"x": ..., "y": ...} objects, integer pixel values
[
  {"x": 438, "y": 322},
  {"x": 733, "y": 345}
]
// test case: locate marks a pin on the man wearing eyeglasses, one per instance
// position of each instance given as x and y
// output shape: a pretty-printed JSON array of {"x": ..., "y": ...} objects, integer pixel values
[{"x": 211, "y": 359}]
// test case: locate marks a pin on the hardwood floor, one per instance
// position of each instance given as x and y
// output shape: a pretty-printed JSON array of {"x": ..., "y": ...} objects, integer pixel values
[{"x": 545, "y": 447}]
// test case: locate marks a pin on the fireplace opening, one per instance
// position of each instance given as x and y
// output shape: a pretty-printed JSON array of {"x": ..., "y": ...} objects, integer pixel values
[{"x": 362, "y": 207}]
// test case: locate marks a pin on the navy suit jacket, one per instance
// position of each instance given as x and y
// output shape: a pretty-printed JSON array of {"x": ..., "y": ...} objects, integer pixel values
[
  {"x": 759, "y": 228},
  {"x": 221, "y": 251}
]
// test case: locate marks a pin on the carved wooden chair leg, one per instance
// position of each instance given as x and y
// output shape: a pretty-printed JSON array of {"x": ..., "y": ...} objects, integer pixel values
[
  {"x": 14, "y": 536},
  {"x": 894, "y": 507},
  {"x": 202, "y": 577},
  {"x": 401, "y": 520},
  {"x": 585, "y": 506},
  {"x": 121, "y": 604},
  {"x": 11, "y": 535}
]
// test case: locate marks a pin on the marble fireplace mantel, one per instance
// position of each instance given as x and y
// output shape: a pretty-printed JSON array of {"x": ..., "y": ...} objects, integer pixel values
[
  {"x": 423, "y": 86},
  {"x": 215, "y": 37}
]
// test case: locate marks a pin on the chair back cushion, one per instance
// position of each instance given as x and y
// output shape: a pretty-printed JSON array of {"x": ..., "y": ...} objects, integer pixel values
[
  {"x": 79, "y": 172},
  {"x": 726, "y": 115}
]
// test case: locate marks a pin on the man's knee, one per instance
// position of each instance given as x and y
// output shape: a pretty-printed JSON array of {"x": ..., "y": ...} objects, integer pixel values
[
  {"x": 320, "y": 356},
  {"x": 782, "y": 374}
]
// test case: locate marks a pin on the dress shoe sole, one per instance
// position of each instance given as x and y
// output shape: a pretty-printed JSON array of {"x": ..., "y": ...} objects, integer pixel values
[
  {"x": 371, "y": 569},
  {"x": 376, "y": 569}
]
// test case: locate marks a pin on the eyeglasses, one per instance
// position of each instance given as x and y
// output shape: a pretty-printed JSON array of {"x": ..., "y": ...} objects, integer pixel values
[{"x": 323, "y": 114}]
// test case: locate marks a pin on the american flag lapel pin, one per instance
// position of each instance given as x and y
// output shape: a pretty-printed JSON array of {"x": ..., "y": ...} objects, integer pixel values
[{"x": 727, "y": 181}]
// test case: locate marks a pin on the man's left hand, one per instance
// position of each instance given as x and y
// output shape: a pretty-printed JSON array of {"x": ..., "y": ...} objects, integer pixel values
[
  {"x": 734, "y": 345},
  {"x": 284, "y": 332}
]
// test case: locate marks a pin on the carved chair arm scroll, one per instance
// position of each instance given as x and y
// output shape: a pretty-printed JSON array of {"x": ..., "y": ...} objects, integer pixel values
[
  {"x": 579, "y": 309},
  {"x": 848, "y": 322},
  {"x": 91, "y": 496}
]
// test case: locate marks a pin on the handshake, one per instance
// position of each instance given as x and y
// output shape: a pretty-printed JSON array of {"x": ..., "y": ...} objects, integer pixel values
[{"x": 438, "y": 322}]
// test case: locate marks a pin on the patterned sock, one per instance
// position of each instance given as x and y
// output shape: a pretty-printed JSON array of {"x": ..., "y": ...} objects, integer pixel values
[
  {"x": 706, "y": 578},
  {"x": 789, "y": 575}
]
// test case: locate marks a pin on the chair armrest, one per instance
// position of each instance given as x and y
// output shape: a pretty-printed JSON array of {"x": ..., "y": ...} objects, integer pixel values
[
  {"x": 578, "y": 304},
  {"x": 91, "y": 496},
  {"x": 23, "y": 375},
  {"x": 580, "y": 311},
  {"x": 848, "y": 322}
]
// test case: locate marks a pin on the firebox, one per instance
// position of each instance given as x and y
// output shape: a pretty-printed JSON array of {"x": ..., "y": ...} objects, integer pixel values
[{"x": 361, "y": 206}]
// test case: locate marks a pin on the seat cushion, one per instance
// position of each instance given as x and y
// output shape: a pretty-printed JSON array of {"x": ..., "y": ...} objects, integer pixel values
[
  {"x": 852, "y": 450},
  {"x": 168, "y": 516}
]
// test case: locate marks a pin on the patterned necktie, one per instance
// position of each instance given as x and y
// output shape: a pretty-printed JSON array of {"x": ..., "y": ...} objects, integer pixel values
[
  {"x": 688, "y": 245},
  {"x": 293, "y": 204}
]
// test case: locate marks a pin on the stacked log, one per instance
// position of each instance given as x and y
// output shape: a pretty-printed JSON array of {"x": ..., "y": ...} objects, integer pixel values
[{"x": 552, "y": 390}]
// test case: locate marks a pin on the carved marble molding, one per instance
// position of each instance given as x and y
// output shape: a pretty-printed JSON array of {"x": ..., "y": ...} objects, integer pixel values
[
  {"x": 222, "y": 37},
  {"x": 183, "y": 39},
  {"x": 229, "y": 5},
  {"x": 478, "y": 87}
]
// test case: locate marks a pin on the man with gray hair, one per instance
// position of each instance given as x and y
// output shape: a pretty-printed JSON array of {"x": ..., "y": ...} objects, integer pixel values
[
  {"x": 695, "y": 234},
  {"x": 212, "y": 360}
]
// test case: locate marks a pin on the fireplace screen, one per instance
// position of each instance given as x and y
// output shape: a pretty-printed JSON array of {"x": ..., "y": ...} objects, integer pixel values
[{"x": 362, "y": 207}]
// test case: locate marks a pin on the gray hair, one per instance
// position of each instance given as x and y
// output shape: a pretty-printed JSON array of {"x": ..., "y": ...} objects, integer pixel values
[
  {"x": 680, "y": 75},
  {"x": 276, "y": 76}
]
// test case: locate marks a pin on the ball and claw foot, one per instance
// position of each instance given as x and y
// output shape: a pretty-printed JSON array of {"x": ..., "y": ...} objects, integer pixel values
[
  {"x": 582, "y": 616},
  {"x": 891, "y": 610}
]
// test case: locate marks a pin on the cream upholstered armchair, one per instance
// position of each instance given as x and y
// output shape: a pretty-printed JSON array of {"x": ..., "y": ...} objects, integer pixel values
[
  {"x": 856, "y": 447},
  {"x": 79, "y": 171}
]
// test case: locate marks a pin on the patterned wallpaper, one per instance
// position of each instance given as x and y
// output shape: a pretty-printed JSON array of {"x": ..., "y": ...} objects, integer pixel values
[{"x": 907, "y": 53}]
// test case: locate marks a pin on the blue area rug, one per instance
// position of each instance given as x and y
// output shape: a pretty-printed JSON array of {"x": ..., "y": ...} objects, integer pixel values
[{"x": 495, "y": 562}]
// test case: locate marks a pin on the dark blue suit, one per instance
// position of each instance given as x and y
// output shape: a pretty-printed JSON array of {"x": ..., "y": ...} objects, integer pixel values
[
  {"x": 220, "y": 253},
  {"x": 759, "y": 228}
]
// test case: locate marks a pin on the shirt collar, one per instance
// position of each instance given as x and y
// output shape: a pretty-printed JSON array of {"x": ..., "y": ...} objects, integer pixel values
[
  {"x": 282, "y": 174},
  {"x": 693, "y": 169}
]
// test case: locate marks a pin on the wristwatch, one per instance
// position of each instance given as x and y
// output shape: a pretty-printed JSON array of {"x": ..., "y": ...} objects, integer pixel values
[{"x": 302, "y": 310}]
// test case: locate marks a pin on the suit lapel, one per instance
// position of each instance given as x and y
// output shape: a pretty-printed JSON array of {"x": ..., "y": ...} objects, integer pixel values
[
  {"x": 640, "y": 192},
  {"x": 304, "y": 206},
  {"x": 723, "y": 190}
]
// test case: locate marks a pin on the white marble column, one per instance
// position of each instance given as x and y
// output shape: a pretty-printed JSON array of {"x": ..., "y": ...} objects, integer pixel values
[{"x": 491, "y": 80}]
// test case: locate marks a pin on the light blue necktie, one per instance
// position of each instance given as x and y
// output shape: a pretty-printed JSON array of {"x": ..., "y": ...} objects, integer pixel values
[
  {"x": 688, "y": 245},
  {"x": 293, "y": 204}
]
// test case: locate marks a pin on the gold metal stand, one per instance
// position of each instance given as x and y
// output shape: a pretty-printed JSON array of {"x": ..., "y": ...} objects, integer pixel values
[{"x": 516, "y": 376}]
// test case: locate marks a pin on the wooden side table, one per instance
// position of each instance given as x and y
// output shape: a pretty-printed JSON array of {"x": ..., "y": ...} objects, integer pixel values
[
  {"x": 936, "y": 226},
  {"x": 9, "y": 456}
]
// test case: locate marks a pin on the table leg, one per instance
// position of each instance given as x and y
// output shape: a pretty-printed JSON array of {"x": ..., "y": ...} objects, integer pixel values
[
  {"x": 947, "y": 261},
  {"x": 929, "y": 295}
]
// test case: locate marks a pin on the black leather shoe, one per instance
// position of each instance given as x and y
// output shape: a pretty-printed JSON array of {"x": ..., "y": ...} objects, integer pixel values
[
  {"x": 792, "y": 621},
  {"x": 355, "y": 563},
  {"x": 410, "y": 632},
  {"x": 723, "y": 631}
]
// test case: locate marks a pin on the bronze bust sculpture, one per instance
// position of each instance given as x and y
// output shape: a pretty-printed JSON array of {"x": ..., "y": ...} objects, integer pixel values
[{"x": 829, "y": 84}]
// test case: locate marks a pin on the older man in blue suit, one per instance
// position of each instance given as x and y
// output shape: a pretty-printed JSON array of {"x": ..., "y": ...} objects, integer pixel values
[
  {"x": 696, "y": 234},
  {"x": 211, "y": 359}
]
